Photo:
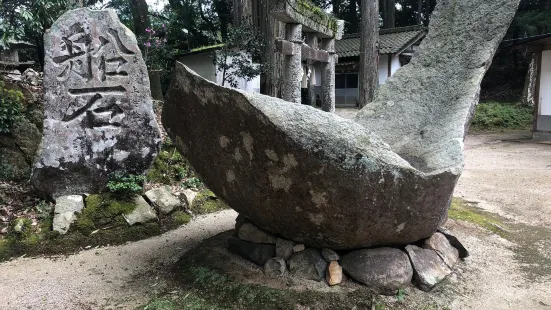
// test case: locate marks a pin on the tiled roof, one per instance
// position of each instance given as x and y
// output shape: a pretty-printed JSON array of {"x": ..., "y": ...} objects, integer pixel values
[{"x": 390, "y": 41}]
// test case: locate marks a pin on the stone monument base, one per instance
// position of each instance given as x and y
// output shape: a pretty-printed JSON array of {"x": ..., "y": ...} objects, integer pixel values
[{"x": 278, "y": 272}]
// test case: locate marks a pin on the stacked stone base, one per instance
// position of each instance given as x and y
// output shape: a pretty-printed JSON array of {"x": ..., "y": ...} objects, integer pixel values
[{"x": 383, "y": 269}]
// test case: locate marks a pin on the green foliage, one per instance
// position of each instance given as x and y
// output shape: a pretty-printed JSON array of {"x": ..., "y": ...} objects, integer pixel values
[
  {"x": 44, "y": 210},
  {"x": 10, "y": 108},
  {"x": 496, "y": 115},
  {"x": 401, "y": 295},
  {"x": 169, "y": 167},
  {"x": 235, "y": 58},
  {"x": 192, "y": 182},
  {"x": 125, "y": 186}
]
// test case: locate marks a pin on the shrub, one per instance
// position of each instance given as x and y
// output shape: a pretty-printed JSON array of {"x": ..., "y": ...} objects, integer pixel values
[
  {"x": 10, "y": 108},
  {"x": 497, "y": 115},
  {"x": 125, "y": 186}
]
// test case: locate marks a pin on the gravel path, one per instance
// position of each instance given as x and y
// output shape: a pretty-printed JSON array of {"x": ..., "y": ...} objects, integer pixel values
[{"x": 509, "y": 178}]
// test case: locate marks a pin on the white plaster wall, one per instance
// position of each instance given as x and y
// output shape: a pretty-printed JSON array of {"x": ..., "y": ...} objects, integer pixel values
[
  {"x": 383, "y": 66},
  {"x": 253, "y": 85},
  {"x": 395, "y": 64},
  {"x": 200, "y": 63},
  {"x": 545, "y": 84}
]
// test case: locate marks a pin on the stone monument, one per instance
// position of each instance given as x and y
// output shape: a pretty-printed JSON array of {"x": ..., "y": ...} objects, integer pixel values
[
  {"x": 315, "y": 178},
  {"x": 98, "y": 112}
]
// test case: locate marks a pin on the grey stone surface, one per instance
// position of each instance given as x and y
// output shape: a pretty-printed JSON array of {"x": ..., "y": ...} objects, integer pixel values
[
  {"x": 318, "y": 179},
  {"x": 293, "y": 70},
  {"x": 143, "y": 212},
  {"x": 463, "y": 252},
  {"x": 308, "y": 264},
  {"x": 328, "y": 78},
  {"x": 98, "y": 110},
  {"x": 383, "y": 269},
  {"x": 275, "y": 267},
  {"x": 429, "y": 268},
  {"x": 249, "y": 232},
  {"x": 440, "y": 244},
  {"x": 163, "y": 200},
  {"x": 190, "y": 196},
  {"x": 329, "y": 255},
  {"x": 255, "y": 252},
  {"x": 284, "y": 248},
  {"x": 66, "y": 208}
]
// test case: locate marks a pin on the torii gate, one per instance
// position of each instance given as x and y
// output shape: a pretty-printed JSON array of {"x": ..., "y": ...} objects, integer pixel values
[{"x": 303, "y": 16}]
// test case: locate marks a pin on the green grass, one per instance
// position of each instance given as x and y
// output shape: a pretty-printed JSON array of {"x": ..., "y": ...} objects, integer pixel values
[{"x": 499, "y": 116}]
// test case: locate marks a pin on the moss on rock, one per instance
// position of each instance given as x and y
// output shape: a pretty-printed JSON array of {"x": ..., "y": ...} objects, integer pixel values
[
  {"x": 207, "y": 202},
  {"x": 181, "y": 218}
]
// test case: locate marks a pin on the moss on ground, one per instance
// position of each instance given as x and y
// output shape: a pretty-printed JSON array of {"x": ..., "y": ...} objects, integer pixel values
[
  {"x": 462, "y": 210},
  {"x": 531, "y": 241},
  {"x": 169, "y": 167},
  {"x": 181, "y": 217},
  {"x": 207, "y": 202}
]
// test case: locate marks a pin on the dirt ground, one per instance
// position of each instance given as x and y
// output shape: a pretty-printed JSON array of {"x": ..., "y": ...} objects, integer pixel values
[{"x": 504, "y": 173}]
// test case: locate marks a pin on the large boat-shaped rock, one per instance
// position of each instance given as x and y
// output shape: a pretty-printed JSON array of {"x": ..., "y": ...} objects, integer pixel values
[{"x": 319, "y": 179}]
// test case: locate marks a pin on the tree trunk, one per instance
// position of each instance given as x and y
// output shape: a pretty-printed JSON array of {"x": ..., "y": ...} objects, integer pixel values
[
  {"x": 270, "y": 28},
  {"x": 140, "y": 16},
  {"x": 419, "y": 12},
  {"x": 337, "y": 8},
  {"x": 530, "y": 83},
  {"x": 353, "y": 16},
  {"x": 390, "y": 14},
  {"x": 427, "y": 12},
  {"x": 223, "y": 10},
  {"x": 369, "y": 52},
  {"x": 242, "y": 9}
]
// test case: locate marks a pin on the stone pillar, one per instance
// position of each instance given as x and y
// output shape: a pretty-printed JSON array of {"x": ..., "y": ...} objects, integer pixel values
[
  {"x": 312, "y": 41},
  {"x": 328, "y": 78},
  {"x": 293, "y": 65}
]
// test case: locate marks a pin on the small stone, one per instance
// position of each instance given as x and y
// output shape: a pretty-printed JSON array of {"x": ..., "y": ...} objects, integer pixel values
[
  {"x": 334, "y": 273},
  {"x": 284, "y": 248},
  {"x": 163, "y": 200},
  {"x": 429, "y": 268},
  {"x": 330, "y": 255},
  {"x": 249, "y": 232},
  {"x": 275, "y": 267},
  {"x": 240, "y": 220},
  {"x": 143, "y": 212},
  {"x": 308, "y": 264},
  {"x": 255, "y": 252},
  {"x": 463, "y": 252},
  {"x": 65, "y": 211},
  {"x": 189, "y": 196},
  {"x": 299, "y": 247},
  {"x": 383, "y": 269},
  {"x": 19, "y": 225},
  {"x": 440, "y": 244}
]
